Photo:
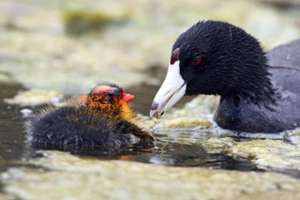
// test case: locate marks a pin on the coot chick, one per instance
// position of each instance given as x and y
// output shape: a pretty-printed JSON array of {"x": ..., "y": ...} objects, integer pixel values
[
  {"x": 97, "y": 124},
  {"x": 260, "y": 92}
]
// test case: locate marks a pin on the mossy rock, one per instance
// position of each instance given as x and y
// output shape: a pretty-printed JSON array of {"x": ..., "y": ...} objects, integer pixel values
[
  {"x": 78, "y": 22},
  {"x": 186, "y": 123}
]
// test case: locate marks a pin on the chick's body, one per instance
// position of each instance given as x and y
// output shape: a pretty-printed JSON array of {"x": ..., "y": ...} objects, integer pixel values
[{"x": 98, "y": 125}]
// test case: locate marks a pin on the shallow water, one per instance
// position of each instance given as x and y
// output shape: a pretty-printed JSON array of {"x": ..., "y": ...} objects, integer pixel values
[
  {"x": 11, "y": 128},
  {"x": 189, "y": 155},
  {"x": 173, "y": 148}
]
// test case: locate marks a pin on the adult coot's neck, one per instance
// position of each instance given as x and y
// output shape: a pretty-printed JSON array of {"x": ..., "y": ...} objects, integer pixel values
[
  {"x": 249, "y": 79},
  {"x": 247, "y": 73}
]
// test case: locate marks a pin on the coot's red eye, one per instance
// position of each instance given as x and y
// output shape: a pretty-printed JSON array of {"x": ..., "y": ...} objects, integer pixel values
[
  {"x": 175, "y": 56},
  {"x": 197, "y": 61}
]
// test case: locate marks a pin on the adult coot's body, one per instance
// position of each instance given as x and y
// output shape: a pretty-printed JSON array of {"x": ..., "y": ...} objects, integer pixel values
[
  {"x": 97, "y": 124},
  {"x": 259, "y": 92}
]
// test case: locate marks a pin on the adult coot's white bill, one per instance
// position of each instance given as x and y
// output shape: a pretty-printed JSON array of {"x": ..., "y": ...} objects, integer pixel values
[{"x": 260, "y": 92}]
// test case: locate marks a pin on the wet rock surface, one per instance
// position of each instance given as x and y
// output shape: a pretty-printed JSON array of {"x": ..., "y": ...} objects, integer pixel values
[
  {"x": 67, "y": 176},
  {"x": 186, "y": 123},
  {"x": 269, "y": 154},
  {"x": 34, "y": 97},
  {"x": 278, "y": 152}
]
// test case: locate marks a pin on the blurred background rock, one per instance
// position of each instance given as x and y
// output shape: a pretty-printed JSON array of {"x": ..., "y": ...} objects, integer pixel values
[{"x": 70, "y": 45}]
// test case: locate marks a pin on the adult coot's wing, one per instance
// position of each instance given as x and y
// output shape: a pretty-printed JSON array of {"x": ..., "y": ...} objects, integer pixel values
[
  {"x": 285, "y": 67},
  {"x": 287, "y": 55},
  {"x": 285, "y": 70}
]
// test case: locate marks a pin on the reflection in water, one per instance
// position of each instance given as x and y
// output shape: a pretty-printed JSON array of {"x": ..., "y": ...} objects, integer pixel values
[
  {"x": 172, "y": 152},
  {"x": 11, "y": 128}
]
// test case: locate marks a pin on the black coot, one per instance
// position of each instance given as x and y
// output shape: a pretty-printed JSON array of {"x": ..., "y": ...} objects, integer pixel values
[{"x": 260, "y": 92}]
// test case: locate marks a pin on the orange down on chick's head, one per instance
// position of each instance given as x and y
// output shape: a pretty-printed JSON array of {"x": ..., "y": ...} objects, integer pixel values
[{"x": 111, "y": 100}]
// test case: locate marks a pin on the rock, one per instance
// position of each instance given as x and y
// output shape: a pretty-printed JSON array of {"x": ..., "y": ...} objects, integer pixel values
[
  {"x": 185, "y": 123},
  {"x": 70, "y": 177},
  {"x": 195, "y": 114},
  {"x": 273, "y": 152},
  {"x": 218, "y": 145},
  {"x": 34, "y": 97},
  {"x": 6, "y": 197},
  {"x": 201, "y": 106},
  {"x": 83, "y": 21},
  {"x": 266, "y": 154},
  {"x": 269, "y": 154},
  {"x": 144, "y": 122},
  {"x": 5, "y": 78}
]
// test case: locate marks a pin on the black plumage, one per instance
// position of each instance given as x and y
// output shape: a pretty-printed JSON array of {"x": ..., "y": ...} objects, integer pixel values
[
  {"x": 86, "y": 130},
  {"x": 260, "y": 92}
]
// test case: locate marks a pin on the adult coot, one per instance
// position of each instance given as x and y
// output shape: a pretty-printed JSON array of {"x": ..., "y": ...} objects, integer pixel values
[
  {"x": 260, "y": 92},
  {"x": 96, "y": 124}
]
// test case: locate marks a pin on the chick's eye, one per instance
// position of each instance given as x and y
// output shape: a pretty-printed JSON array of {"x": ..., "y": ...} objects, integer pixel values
[
  {"x": 197, "y": 61},
  {"x": 108, "y": 98}
]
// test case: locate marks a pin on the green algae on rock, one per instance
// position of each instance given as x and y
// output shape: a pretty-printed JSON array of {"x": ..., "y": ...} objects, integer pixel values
[
  {"x": 269, "y": 155},
  {"x": 73, "y": 177},
  {"x": 83, "y": 21},
  {"x": 185, "y": 123},
  {"x": 195, "y": 114},
  {"x": 218, "y": 145}
]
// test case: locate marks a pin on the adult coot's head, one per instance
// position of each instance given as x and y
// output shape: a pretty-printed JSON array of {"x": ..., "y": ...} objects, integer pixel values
[{"x": 214, "y": 57}]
